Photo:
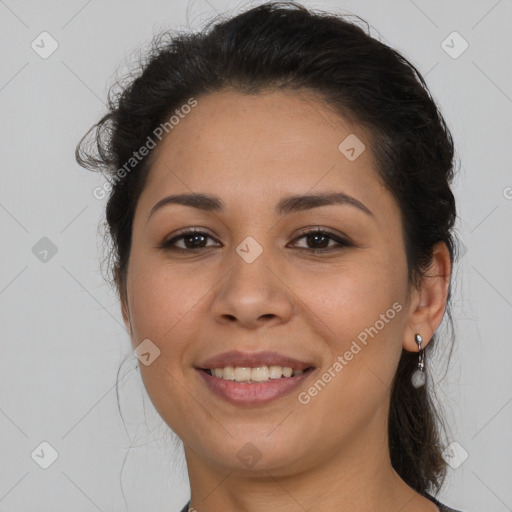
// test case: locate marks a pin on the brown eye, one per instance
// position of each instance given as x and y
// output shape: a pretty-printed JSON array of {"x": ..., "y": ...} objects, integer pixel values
[
  {"x": 191, "y": 240},
  {"x": 318, "y": 240}
]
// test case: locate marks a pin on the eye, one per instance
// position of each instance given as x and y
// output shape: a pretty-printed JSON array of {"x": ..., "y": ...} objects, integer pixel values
[
  {"x": 320, "y": 239},
  {"x": 193, "y": 239}
]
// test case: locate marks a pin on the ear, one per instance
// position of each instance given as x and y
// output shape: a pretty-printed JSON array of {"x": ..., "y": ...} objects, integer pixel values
[{"x": 428, "y": 300}]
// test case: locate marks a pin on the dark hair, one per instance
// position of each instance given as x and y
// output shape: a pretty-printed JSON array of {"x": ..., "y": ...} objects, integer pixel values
[{"x": 283, "y": 45}]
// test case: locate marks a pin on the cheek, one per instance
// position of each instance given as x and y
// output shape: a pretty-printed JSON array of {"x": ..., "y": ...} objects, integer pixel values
[
  {"x": 352, "y": 299},
  {"x": 361, "y": 316},
  {"x": 361, "y": 348},
  {"x": 164, "y": 300},
  {"x": 165, "y": 306}
]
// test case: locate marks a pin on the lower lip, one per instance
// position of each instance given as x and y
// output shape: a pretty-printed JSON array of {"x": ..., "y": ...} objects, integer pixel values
[{"x": 243, "y": 393}]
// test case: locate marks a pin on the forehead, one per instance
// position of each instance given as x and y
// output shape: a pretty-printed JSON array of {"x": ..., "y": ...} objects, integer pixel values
[{"x": 261, "y": 145}]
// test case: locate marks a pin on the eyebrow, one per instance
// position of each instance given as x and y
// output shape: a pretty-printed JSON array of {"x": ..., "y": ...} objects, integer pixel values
[{"x": 285, "y": 206}]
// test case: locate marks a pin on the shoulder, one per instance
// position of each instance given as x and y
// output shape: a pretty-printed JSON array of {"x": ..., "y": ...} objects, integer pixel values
[{"x": 442, "y": 508}]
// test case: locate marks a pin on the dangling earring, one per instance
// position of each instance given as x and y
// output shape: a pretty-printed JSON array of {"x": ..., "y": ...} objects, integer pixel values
[{"x": 419, "y": 378}]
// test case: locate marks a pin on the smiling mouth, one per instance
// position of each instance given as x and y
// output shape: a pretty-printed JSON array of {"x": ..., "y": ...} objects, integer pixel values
[{"x": 257, "y": 374}]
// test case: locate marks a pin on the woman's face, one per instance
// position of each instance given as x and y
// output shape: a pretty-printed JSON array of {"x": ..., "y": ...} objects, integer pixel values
[{"x": 254, "y": 284}]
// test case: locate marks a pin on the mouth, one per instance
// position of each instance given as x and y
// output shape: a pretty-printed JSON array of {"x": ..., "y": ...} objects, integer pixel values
[
  {"x": 254, "y": 375},
  {"x": 243, "y": 378}
]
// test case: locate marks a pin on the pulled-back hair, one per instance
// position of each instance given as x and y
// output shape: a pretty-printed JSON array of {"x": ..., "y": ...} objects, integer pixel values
[{"x": 283, "y": 45}]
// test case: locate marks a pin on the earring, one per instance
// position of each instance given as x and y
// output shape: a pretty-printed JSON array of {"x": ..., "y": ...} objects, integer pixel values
[{"x": 419, "y": 378}]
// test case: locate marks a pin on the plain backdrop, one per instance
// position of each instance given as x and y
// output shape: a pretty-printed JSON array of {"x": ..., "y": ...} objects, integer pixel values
[{"x": 63, "y": 339}]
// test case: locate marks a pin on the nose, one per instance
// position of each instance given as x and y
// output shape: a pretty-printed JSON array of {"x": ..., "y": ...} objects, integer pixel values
[{"x": 253, "y": 295}]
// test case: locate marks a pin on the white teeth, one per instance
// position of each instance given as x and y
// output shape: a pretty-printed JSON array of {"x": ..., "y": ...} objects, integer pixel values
[
  {"x": 242, "y": 374},
  {"x": 287, "y": 371},
  {"x": 258, "y": 374},
  {"x": 276, "y": 372},
  {"x": 228, "y": 373}
]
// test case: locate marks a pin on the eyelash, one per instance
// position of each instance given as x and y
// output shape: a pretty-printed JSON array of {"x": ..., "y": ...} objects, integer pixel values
[{"x": 342, "y": 243}]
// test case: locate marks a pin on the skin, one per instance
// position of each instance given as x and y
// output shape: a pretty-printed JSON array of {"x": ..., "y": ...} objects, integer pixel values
[{"x": 251, "y": 150}]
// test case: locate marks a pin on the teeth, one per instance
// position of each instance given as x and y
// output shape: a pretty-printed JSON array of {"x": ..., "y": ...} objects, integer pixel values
[
  {"x": 276, "y": 372},
  {"x": 242, "y": 374},
  {"x": 259, "y": 374},
  {"x": 287, "y": 371}
]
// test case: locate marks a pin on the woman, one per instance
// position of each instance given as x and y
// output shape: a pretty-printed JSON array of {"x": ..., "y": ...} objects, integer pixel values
[{"x": 281, "y": 222}]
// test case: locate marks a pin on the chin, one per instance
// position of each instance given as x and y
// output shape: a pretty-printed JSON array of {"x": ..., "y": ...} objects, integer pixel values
[{"x": 253, "y": 453}]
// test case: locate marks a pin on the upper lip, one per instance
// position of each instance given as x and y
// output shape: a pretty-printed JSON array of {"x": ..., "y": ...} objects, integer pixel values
[{"x": 252, "y": 359}]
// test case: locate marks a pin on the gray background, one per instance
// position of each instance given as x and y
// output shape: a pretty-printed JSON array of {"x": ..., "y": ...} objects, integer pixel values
[{"x": 62, "y": 333}]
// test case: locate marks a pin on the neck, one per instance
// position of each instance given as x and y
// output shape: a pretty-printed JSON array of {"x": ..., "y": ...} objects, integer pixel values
[{"x": 359, "y": 476}]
